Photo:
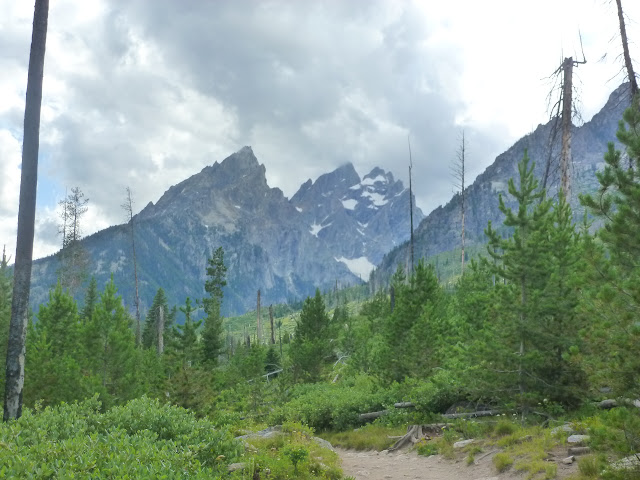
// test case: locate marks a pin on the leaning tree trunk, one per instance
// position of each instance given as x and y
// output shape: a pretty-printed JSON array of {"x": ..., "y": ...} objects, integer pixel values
[
  {"x": 26, "y": 216},
  {"x": 625, "y": 50}
]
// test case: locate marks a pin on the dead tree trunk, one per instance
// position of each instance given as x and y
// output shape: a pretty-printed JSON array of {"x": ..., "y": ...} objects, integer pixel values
[
  {"x": 458, "y": 174},
  {"x": 411, "y": 207},
  {"x": 259, "y": 326},
  {"x": 273, "y": 335},
  {"x": 26, "y": 216},
  {"x": 625, "y": 50},
  {"x": 128, "y": 208},
  {"x": 160, "y": 330},
  {"x": 565, "y": 155}
]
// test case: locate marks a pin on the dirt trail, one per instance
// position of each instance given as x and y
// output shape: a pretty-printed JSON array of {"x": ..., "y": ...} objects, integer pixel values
[{"x": 408, "y": 465}]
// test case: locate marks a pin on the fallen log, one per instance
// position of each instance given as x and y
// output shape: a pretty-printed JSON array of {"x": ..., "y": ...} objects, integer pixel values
[
  {"x": 481, "y": 413},
  {"x": 373, "y": 415},
  {"x": 404, "y": 405}
]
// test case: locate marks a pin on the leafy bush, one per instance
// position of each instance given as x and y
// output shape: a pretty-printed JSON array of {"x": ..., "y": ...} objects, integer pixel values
[
  {"x": 427, "y": 449},
  {"x": 141, "y": 439},
  {"x": 332, "y": 407},
  {"x": 502, "y": 461}
]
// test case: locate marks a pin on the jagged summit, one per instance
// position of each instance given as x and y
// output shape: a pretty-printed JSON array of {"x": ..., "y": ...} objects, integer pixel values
[{"x": 361, "y": 219}]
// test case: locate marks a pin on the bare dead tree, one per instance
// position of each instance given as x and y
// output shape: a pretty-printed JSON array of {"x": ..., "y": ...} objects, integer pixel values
[
  {"x": 160, "y": 326},
  {"x": 633, "y": 81},
  {"x": 458, "y": 175},
  {"x": 410, "y": 207},
  {"x": 564, "y": 108},
  {"x": 74, "y": 259},
  {"x": 259, "y": 326},
  {"x": 128, "y": 208},
  {"x": 273, "y": 337},
  {"x": 26, "y": 216}
]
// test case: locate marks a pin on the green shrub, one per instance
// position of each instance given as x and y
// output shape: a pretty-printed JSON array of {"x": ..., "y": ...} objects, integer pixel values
[
  {"x": 332, "y": 406},
  {"x": 504, "y": 427},
  {"x": 502, "y": 461},
  {"x": 141, "y": 439},
  {"x": 427, "y": 449}
]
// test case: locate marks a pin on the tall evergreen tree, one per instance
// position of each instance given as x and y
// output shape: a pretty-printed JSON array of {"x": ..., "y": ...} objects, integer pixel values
[
  {"x": 310, "y": 346},
  {"x": 185, "y": 336},
  {"x": 110, "y": 351},
  {"x": 615, "y": 293},
  {"x": 212, "y": 332},
  {"x": 537, "y": 264},
  {"x": 90, "y": 300}
]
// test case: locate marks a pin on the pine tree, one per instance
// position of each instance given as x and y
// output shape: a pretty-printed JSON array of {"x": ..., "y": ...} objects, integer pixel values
[
  {"x": 310, "y": 345},
  {"x": 212, "y": 333},
  {"x": 615, "y": 292},
  {"x": 90, "y": 300},
  {"x": 536, "y": 321},
  {"x": 110, "y": 351},
  {"x": 185, "y": 337},
  {"x": 59, "y": 320}
]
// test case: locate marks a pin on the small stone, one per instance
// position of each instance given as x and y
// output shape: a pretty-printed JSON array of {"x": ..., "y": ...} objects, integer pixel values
[
  {"x": 568, "y": 460},
  {"x": 567, "y": 427},
  {"x": 236, "y": 466},
  {"x": 463, "y": 443},
  {"x": 578, "y": 439}
]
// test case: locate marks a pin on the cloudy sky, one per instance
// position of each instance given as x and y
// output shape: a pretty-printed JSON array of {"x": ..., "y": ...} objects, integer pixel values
[{"x": 144, "y": 93}]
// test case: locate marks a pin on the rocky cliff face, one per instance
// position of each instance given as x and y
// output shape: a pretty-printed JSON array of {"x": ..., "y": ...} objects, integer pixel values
[
  {"x": 358, "y": 219},
  {"x": 440, "y": 231},
  {"x": 270, "y": 243}
]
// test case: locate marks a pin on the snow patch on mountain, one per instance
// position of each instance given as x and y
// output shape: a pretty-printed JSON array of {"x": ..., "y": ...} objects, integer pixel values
[
  {"x": 360, "y": 266},
  {"x": 349, "y": 204},
  {"x": 377, "y": 199},
  {"x": 371, "y": 181}
]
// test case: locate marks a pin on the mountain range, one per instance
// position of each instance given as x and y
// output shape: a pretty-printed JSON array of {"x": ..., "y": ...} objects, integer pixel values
[
  {"x": 440, "y": 231},
  {"x": 330, "y": 233}
]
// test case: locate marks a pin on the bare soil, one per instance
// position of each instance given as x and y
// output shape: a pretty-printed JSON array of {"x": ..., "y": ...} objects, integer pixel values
[{"x": 409, "y": 465}]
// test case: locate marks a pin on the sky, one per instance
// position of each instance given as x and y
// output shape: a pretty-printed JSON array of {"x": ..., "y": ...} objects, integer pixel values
[{"x": 145, "y": 93}]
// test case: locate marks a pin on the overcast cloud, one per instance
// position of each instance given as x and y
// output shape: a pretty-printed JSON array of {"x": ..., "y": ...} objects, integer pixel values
[{"x": 145, "y": 93}]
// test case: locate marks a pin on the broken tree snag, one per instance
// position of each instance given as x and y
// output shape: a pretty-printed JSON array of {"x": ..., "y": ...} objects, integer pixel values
[
  {"x": 481, "y": 413},
  {"x": 373, "y": 415},
  {"x": 625, "y": 50},
  {"x": 565, "y": 156},
  {"x": 414, "y": 434}
]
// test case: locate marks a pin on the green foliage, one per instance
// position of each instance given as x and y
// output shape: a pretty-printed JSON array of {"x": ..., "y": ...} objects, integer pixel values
[
  {"x": 502, "y": 461},
  {"x": 373, "y": 436},
  {"x": 139, "y": 440},
  {"x": 212, "y": 341},
  {"x": 311, "y": 347},
  {"x": 427, "y": 449},
  {"x": 331, "y": 406},
  {"x": 6, "y": 292},
  {"x": 537, "y": 270}
]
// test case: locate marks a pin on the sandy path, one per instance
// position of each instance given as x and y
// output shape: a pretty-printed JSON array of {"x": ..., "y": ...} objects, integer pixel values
[{"x": 409, "y": 465}]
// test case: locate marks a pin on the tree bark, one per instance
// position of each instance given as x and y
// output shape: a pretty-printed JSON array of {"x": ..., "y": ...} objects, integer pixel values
[
  {"x": 273, "y": 335},
  {"x": 160, "y": 330},
  {"x": 565, "y": 155},
  {"x": 26, "y": 216},
  {"x": 259, "y": 326},
  {"x": 625, "y": 49}
]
